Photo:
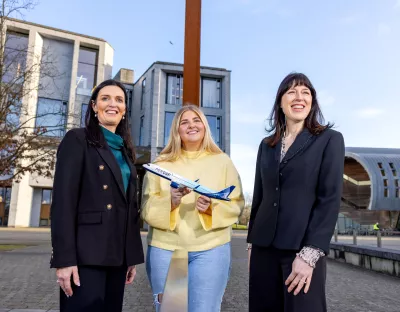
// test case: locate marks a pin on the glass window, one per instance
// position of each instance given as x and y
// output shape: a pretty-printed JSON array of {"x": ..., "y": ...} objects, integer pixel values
[
  {"x": 14, "y": 111},
  {"x": 15, "y": 52},
  {"x": 87, "y": 70},
  {"x": 394, "y": 172},
  {"x": 141, "y": 132},
  {"x": 5, "y": 198},
  {"x": 51, "y": 117},
  {"x": 83, "y": 114},
  {"x": 46, "y": 196},
  {"x": 88, "y": 56},
  {"x": 341, "y": 224},
  {"x": 130, "y": 99},
  {"x": 143, "y": 92},
  {"x": 211, "y": 92},
  {"x": 174, "y": 89},
  {"x": 167, "y": 125},
  {"x": 215, "y": 126}
]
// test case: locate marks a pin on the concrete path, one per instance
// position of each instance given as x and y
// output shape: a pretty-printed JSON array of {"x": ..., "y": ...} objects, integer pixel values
[{"x": 27, "y": 283}]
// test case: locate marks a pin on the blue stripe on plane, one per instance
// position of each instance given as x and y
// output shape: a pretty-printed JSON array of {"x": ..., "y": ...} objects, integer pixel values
[
  {"x": 222, "y": 195},
  {"x": 160, "y": 175}
]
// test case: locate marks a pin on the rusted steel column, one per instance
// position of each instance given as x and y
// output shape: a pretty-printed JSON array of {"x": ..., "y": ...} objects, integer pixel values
[{"x": 191, "y": 66}]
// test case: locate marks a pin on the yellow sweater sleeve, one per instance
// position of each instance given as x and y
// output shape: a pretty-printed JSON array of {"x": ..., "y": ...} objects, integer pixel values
[
  {"x": 225, "y": 213},
  {"x": 156, "y": 205}
]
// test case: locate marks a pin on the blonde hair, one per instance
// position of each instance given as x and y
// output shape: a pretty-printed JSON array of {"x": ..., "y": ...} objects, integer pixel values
[{"x": 173, "y": 150}]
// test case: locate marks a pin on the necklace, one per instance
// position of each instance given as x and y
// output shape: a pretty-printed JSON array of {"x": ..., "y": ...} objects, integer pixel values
[{"x": 283, "y": 152}]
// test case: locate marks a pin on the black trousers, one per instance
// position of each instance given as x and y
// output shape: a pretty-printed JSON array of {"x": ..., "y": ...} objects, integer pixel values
[
  {"x": 101, "y": 290},
  {"x": 269, "y": 269}
]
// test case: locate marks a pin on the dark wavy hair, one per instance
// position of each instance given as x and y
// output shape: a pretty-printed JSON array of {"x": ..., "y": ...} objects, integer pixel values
[
  {"x": 314, "y": 121},
  {"x": 95, "y": 135}
]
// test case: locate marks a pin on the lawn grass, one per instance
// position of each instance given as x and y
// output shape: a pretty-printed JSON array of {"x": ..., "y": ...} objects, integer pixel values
[
  {"x": 8, "y": 247},
  {"x": 239, "y": 227}
]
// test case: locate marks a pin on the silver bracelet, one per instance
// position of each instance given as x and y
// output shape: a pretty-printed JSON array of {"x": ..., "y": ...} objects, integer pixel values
[
  {"x": 310, "y": 255},
  {"x": 249, "y": 246}
]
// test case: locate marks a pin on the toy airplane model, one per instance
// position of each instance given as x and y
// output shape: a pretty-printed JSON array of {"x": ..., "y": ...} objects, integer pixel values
[{"x": 178, "y": 181}]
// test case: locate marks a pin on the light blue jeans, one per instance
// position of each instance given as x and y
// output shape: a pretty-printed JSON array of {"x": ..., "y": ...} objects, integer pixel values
[{"x": 208, "y": 275}]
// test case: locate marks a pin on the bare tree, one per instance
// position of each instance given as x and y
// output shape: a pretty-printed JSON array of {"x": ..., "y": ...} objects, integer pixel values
[
  {"x": 245, "y": 215},
  {"x": 248, "y": 199},
  {"x": 28, "y": 139}
]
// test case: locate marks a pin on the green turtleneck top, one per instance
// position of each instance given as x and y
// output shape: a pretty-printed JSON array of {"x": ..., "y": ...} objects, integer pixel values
[{"x": 116, "y": 143}]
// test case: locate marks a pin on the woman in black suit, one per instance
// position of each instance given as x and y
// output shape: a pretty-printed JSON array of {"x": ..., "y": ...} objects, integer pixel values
[
  {"x": 95, "y": 217},
  {"x": 296, "y": 201}
]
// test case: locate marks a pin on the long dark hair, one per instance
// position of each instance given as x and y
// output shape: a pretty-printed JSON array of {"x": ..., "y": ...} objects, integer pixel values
[
  {"x": 314, "y": 121},
  {"x": 95, "y": 135}
]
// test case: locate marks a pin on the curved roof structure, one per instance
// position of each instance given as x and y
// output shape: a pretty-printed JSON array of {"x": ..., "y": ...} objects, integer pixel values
[{"x": 372, "y": 179}]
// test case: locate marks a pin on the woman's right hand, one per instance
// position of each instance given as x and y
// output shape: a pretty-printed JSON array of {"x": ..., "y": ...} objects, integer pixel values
[
  {"x": 176, "y": 196},
  {"x": 64, "y": 279}
]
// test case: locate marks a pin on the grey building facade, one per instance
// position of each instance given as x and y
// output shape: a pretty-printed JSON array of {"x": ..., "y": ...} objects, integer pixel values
[
  {"x": 371, "y": 188},
  {"x": 79, "y": 62},
  {"x": 157, "y": 96}
]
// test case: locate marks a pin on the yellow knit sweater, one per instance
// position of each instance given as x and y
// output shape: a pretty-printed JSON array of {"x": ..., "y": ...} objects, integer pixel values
[{"x": 185, "y": 227}]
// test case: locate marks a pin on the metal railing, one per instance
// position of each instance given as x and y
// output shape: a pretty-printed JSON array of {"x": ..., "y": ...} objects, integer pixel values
[{"x": 370, "y": 234}]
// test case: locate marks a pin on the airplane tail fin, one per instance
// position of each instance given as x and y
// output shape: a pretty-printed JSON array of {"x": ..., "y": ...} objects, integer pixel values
[{"x": 226, "y": 192}]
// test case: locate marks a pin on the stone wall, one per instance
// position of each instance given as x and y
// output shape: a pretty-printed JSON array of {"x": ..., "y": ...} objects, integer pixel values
[{"x": 372, "y": 258}]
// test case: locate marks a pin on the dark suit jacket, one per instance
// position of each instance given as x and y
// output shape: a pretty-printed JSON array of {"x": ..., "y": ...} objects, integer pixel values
[
  {"x": 93, "y": 220},
  {"x": 296, "y": 202}
]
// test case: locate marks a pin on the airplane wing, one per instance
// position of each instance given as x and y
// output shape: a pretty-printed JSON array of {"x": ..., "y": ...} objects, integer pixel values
[
  {"x": 221, "y": 195},
  {"x": 176, "y": 184}
]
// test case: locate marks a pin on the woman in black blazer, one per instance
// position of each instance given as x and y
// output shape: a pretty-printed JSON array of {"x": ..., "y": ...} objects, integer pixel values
[
  {"x": 95, "y": 227},
  {"x": 296, "y": 200}
]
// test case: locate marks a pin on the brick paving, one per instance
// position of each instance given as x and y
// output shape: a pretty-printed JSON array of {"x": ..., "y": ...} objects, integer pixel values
[{"x": 27, "y": 283}]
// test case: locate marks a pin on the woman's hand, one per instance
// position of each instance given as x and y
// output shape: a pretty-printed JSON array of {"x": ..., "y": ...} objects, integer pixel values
[
  {"x": 130, "y": 275},
  {"x": 176, "y": 196},
  {"x": 301, "y": 276},
  {"x": 64, "y": 279},
  {"x": 203, "y": 203}
]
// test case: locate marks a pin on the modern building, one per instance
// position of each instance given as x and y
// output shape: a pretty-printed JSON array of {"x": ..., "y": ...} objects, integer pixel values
[
  {"x": 371, "y": 189},
  {"x": 157, "y": 96},
  {"x": 81, "y": 62}
]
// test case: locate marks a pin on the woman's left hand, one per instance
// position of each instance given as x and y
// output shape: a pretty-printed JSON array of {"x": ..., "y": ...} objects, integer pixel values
[
  {"x": 130, "y": 275},
  {"x": 301, "y": 276},
  {"x": 203, "y": 203}
]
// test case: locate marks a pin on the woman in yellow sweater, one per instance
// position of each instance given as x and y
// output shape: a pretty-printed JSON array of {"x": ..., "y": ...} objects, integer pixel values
[{"x": 179, "y": 218}]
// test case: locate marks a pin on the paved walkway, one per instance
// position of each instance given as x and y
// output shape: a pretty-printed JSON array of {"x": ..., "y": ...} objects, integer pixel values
[{"x": 27, "y": 283}]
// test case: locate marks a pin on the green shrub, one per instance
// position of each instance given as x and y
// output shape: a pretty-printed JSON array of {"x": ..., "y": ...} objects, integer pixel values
[{"x": 239, "y": 227}]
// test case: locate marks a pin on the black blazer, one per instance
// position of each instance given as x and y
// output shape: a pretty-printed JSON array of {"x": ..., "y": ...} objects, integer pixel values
[
  {"x": 93, "y": 220},
  {"x": 296, "y": 202}
]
